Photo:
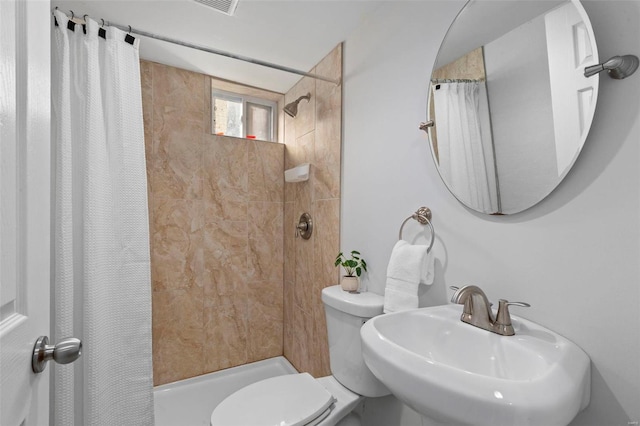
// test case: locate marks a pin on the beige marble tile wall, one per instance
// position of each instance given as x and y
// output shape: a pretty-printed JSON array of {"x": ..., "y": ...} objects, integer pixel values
[
  {"x": 216, "y": 215},
  {"x": 314, "y": 136}
]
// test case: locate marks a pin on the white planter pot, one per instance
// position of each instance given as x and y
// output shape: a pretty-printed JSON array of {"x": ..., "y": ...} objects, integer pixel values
[{"x": 349, "y": 283}]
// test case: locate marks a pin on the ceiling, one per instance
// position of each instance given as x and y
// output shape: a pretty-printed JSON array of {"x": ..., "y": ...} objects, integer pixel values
[{"x": 292, "y": 33}]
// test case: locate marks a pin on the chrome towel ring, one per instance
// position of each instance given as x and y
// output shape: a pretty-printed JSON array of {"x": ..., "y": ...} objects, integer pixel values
[{"x": 423, "y": 216}]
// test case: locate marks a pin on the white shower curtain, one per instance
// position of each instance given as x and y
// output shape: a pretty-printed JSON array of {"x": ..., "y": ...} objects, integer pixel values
[
  {"x": 461, "y": 150},
  {"x": 102, "y": 289}
]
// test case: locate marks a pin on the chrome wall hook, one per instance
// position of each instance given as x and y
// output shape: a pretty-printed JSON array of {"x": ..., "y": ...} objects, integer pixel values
[{"x": 426, "y": 124}]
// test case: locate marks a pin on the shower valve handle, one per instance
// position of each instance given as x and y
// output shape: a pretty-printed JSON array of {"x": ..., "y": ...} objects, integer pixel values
[{"x": 304, "y": 227}]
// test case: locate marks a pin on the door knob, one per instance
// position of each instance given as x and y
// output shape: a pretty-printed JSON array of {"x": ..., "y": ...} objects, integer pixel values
[{"x": 65, "y": 351}]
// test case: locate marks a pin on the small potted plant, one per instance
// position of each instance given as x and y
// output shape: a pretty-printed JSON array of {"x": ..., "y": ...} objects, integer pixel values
[{"x": 354, "y": 265}]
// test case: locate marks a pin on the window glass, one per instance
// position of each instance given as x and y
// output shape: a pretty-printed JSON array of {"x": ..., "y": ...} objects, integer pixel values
[
  {"x": 259, "y": 121},
  {"x": 227, "y": 116}
]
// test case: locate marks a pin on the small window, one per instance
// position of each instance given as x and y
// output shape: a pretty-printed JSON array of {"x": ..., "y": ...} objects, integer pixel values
[{"x": 243, "y": 116}]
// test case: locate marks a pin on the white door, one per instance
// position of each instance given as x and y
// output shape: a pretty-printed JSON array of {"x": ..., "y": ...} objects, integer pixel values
[
  {"x": 25, "y": 163},
  {"x": 571, "y": 47}
]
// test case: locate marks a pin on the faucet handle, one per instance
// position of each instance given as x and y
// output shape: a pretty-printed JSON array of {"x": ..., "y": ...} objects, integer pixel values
[
  {"x": 503, "y": 318},
  {"x": 522, "y": 304}
]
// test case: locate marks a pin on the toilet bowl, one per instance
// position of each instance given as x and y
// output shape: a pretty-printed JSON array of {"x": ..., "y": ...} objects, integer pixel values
[{"x": 301, "y": 400}]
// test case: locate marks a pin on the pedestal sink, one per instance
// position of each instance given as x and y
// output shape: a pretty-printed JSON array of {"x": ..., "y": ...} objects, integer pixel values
[{"x": 459, "y": 374}]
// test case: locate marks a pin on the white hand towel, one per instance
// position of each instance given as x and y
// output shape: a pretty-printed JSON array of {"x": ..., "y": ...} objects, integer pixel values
[
  {"x": 428, "y": 272},
  {"x": 408, "y": 266},
  {"x": 399, "y": 296}
]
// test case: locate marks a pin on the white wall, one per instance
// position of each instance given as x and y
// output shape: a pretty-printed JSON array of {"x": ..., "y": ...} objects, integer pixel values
[{"x": 575, "y": 257}]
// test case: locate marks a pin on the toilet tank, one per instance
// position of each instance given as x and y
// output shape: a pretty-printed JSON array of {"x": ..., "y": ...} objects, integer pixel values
[{"x": 345, "y": 313}]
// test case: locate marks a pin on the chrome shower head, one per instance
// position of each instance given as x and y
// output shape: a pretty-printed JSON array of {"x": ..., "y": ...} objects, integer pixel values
[
  {"x": 618, "y": 67},
  {"x": 292, "y": 108}
]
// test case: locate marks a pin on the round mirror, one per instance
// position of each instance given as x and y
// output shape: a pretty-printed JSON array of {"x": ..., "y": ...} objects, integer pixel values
[{"x": 509, "y": 105}]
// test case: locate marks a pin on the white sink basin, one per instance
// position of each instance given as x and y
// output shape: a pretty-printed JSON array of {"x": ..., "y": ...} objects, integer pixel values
[{"x": 456, "y": 373}]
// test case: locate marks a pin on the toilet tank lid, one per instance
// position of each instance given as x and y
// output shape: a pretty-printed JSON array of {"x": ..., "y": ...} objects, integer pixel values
[{"x": 364, "y": 305}]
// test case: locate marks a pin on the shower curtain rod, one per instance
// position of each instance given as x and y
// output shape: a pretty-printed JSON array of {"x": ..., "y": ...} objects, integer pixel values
[
  {"x": 456, "y": 80},
  {"x": 130, "y": 29}
]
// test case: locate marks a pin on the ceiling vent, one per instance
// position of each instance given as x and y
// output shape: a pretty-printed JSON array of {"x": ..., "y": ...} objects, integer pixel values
[{"x": 227, "y": 7}]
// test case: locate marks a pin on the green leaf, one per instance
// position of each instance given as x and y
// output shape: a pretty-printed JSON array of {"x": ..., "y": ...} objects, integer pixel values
[
  {"x": 358, "y": 271},
  {"x": 354, "y": 252}
]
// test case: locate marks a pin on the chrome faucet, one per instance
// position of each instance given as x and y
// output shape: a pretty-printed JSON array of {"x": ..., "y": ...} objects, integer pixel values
[{"x": 477, "y": 310}]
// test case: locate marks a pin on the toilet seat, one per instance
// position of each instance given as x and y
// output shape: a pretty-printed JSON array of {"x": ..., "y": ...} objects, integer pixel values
[{"x": 289, "y": 400}]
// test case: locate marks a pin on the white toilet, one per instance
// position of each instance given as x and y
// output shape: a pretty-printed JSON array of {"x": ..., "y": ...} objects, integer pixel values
[{"x": 299, "y": 399}]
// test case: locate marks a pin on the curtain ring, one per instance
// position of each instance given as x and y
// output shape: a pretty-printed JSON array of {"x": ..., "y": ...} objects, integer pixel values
[
  {"x": 84, "y": 18},
  {"x": 102, "y": 25},
  {"x": 73, "y": 15},
  {"x": 129, "y": 29}
]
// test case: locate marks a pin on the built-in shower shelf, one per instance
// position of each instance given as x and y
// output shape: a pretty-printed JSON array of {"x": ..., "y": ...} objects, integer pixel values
[{"x": 297, "y": 174}]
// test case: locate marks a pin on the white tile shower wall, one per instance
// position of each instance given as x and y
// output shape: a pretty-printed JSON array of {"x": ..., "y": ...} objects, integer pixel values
[{"x": 574, "y": 257}]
